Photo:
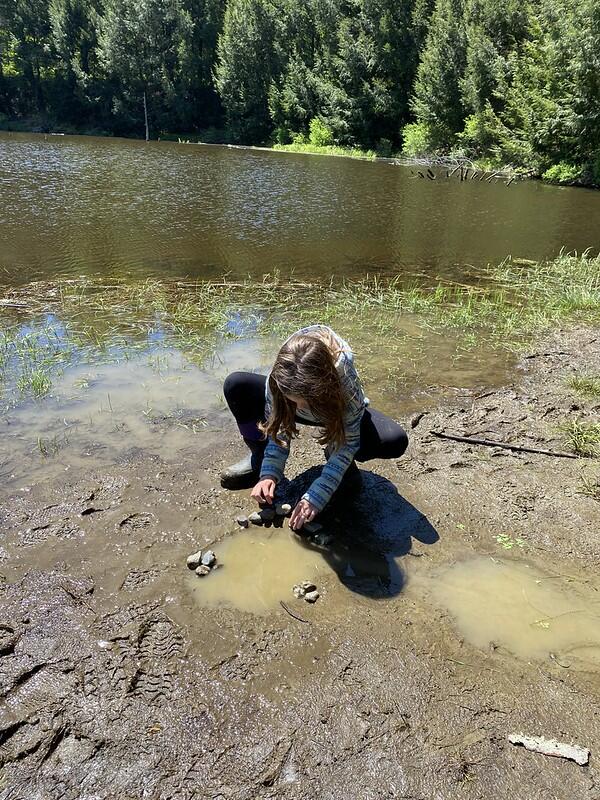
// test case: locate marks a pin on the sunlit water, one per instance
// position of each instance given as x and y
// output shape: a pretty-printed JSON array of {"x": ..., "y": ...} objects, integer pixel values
[
  {"x": 533, "y": 614},
  {"x": 83, "y": 205},
  {"x": 258, "y": 569}
]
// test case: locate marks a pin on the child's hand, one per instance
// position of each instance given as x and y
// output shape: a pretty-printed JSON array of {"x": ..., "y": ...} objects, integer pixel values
[
  {"x": 264, "y": 491},
  {"x": 303, "y": 512}
]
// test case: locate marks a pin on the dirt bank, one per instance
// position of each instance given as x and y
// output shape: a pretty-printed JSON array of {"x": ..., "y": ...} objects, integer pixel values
[{"x": 115, "y": 683}]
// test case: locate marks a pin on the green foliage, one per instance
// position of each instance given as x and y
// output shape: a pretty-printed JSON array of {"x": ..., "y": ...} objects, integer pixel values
[
  {"x": 244, "y": 66},
  {"x": 562, "y": 173},
  {"x": 419, "y": 139},
  {"x": 319, "y": 134}
]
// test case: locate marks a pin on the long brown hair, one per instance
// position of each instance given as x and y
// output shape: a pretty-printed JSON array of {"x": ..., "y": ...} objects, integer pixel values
[{"x": 305, "y": 367}]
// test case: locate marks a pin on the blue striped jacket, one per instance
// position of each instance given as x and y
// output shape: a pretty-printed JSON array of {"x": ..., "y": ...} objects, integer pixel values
[{"x": 275, "y": 457}]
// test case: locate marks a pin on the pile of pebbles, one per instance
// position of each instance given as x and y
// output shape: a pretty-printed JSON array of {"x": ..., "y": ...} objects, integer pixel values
[
  {"x": 306, "y": 590},
  {"x": 270, "y": 514},
  {"x": 202, "y": 563}
]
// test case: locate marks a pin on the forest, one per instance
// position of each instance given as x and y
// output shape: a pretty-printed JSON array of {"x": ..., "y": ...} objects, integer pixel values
[{"x": 502, "y": 82}]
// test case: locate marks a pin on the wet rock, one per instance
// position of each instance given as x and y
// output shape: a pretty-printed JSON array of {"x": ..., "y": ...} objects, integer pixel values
[
  {"x": 311, "y": 597},
  {"x": 209, "y": 559},
  {"x": 283, "y": 509},
  {"x": 416, "y": 418},
  {"x": 312, "y": 527},
  {"x": 301, "y": 589},
  {"x": 323, "y": 539},
  {"x": 255, "y": 518},
  {"x": 242, "y": 521},
  {"x": 194, "y": 560},
  {"x": 267, "y": 514},
  {"x": 202, "y": 570}
]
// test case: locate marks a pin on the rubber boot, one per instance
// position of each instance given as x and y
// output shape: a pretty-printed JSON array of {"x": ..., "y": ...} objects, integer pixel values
[{"x": 245, "y": 474}]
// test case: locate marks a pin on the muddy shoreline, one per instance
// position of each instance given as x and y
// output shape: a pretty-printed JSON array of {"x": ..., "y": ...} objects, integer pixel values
[{"x": 117, "y": 683}]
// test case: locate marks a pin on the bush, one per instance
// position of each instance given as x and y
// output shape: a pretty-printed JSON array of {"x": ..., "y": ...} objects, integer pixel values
[
  {"x": 562, "y": 173},
  {"x": 419, "y": 139},
  {"x": 482, "y": 133},
  {"x": 319, "y": 134}
]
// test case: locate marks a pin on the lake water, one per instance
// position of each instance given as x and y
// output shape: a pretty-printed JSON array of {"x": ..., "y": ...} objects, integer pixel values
[{"x": 96, "y": 206}]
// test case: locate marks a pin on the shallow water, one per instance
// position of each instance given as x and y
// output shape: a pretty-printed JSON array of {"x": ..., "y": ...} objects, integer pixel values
[
  {"x": 257, "y": 570},
  {"x": 519, "y": 607}
]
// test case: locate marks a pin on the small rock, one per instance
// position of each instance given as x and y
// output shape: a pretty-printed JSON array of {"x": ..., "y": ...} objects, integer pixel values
[
  {"x": 242, "y": 521},
  {"x": 311, "y": 597},
  {"x": 209, "y": 559},
  {"x": 255, "y": 518},
  {"x": 267, "y": 514},
  {"x": 194, "y": 560},
  {"x": 299, "y": 591},
  {"x": 312, "y": 527},
  {"x": 416, "y": 418},
  {"x": 308, "y": 586},
  {"x": 283, "y": 509},
  {"x": 202, "y": 570}
]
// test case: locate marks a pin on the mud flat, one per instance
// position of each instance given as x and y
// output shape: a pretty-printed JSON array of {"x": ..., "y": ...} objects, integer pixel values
[{"x": 118, "y": 680}]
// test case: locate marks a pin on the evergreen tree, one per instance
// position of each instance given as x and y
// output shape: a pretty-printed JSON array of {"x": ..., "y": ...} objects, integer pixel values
[
  {"x": 141, "y": 46},
  {"x": 245, "y": 66},
  {"x": 437, "y": 98}
]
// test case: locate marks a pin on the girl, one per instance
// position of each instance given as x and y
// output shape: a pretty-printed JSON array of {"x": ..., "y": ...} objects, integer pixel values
[{"x": 313, "y": 382}]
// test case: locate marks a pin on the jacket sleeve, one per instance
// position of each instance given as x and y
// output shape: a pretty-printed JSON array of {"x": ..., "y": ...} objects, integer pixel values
[
  {"x": 320, "y": 491},
  {"x": 275, "y": 456}
]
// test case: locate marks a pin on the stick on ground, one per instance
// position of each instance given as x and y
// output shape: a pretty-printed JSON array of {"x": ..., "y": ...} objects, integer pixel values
[
  {"x": 293, "y": 614},
  {"x": 504, "y": 445}
]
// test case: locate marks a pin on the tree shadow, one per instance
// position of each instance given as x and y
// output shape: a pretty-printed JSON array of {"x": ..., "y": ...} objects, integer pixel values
[{"x": 368, "y": 530}]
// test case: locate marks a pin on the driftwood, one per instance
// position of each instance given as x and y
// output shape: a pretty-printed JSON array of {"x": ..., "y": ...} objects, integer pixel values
[
  {"x": 503, "y": 445},
  {"x": 550, "y": 747}
]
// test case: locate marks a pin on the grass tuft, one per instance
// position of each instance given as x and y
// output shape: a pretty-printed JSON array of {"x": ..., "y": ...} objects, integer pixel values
[
  {"x": 590, "y": 486},
  {"x": 585, "y": 385},
  {"x": 583, "y": 437}
]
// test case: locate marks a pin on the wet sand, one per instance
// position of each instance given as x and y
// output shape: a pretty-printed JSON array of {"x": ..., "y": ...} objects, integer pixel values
[{"x": 117, "y": 681}]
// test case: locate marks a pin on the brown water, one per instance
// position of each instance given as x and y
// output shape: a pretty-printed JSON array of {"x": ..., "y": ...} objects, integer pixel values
[
  {"x": 514, "y": 605},
  {"x": 258, "y": 569},
  {"x": 82, "y": 205}
]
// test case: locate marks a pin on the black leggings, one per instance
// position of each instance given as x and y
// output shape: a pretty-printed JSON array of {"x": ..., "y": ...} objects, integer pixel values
[{"x": 380, "y": 436}]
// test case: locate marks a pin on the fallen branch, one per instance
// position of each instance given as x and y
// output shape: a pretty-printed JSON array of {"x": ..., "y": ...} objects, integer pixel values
[
  {"x": 292, "y": 614},
  {"x": 503, "y": 445}
]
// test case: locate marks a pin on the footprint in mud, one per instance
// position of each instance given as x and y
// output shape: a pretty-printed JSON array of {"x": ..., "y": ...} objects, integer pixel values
[
  {"x": 148, "y": 658},
  {"x": 136, "y": 521},
  {"x": 137, "y": 578}
]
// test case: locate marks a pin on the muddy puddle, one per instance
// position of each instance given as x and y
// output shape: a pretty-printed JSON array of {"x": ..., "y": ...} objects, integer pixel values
[
  {"x": 256, "y": 571},
  {"x": 535, "y": 615}
]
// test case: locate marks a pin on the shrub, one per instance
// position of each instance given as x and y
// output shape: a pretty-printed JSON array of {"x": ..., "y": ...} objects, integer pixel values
[
  {"x": 319, "y": 134},
  {"x": 419, "y": 139},
  {"x": 482, "y": 133},
  {"x": 562, "y": 173}
]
